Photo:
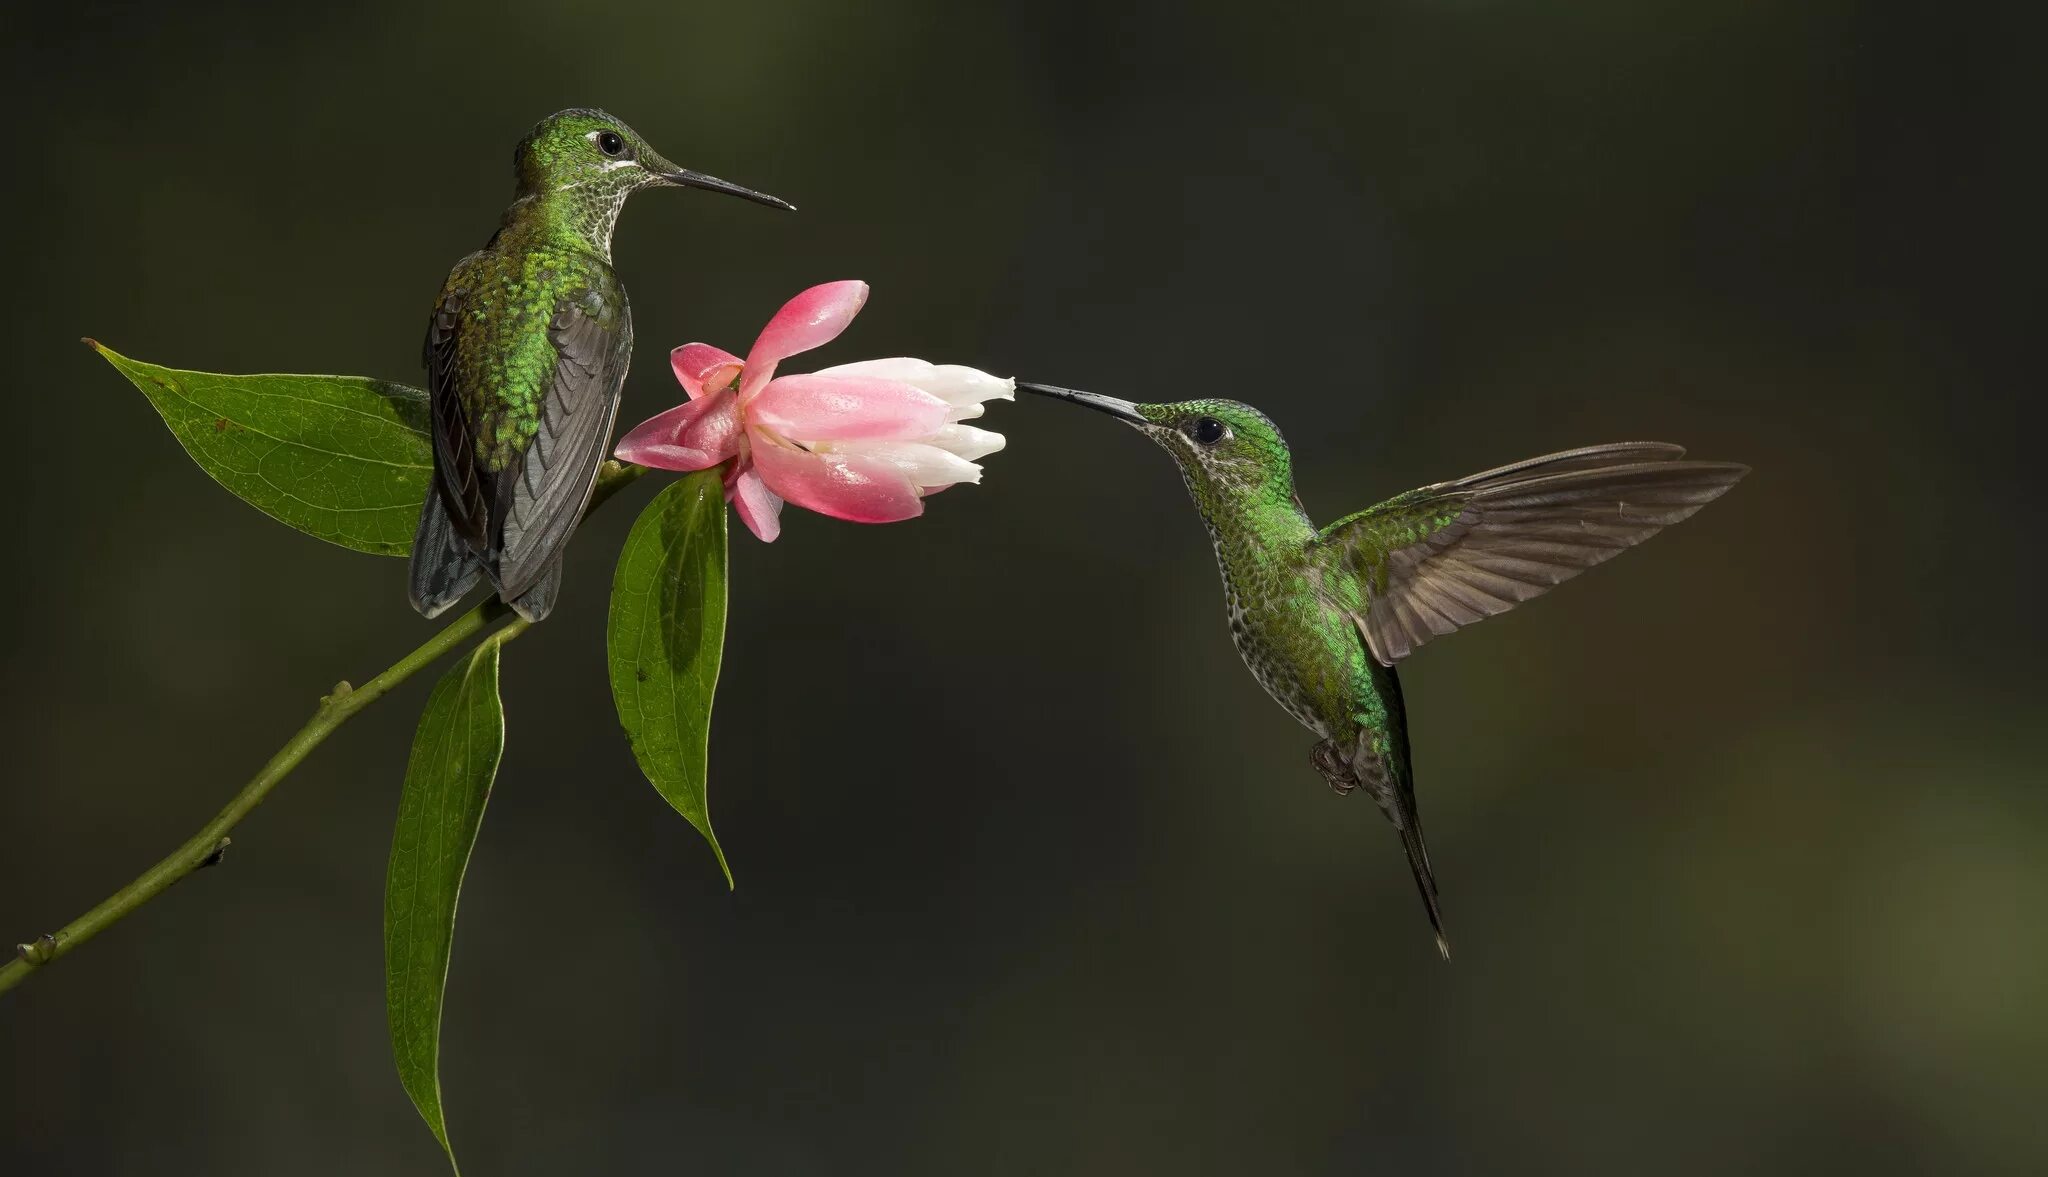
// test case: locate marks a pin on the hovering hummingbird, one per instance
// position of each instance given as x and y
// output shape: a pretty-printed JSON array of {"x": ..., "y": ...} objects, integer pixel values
[
  {"x": 1321, "y": 616},
  {"x": 526, "y": 352}
]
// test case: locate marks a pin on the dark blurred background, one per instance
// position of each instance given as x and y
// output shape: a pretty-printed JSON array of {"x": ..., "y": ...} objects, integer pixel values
[{"x": 1743, "y": 838}]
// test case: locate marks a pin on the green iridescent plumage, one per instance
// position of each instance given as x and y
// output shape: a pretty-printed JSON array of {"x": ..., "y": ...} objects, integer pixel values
[
  {"x": 500, "y": 355},
  {"x": 526, "y": 354},
  {"x": 1321, "y": 616}
]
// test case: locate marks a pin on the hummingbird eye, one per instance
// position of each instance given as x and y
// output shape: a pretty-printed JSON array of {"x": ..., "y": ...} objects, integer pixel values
[
  {"x": 1206, "y": 430},
  {"x": 610, "y": 143}
]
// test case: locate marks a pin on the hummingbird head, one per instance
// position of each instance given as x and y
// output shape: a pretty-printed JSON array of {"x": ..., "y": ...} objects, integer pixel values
[
  {"x": 1231, "y": 454},
  {"x": 586, "y": 161}
]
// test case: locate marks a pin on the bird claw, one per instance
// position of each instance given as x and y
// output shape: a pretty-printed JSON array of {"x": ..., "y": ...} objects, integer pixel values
[{"x": 1335, "y": 767}]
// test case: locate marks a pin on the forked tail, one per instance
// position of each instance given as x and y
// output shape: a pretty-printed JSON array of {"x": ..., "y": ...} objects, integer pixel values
[
  {"x": 444, "y": 568},
  {"x": 1410, "y": 827},
  {"x": 1379, "y": 760},
  {"x": 1385, "y": 774}
]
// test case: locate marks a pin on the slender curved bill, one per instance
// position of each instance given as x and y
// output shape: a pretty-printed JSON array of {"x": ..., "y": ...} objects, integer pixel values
[
  {"x": 1122, "y": 410},
  {"x": 689, "y": 179}
]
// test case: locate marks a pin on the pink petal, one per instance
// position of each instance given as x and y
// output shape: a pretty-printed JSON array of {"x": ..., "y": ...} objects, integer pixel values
[
  {"x": 701, "y": 367},
  {"x": 757, "y": 506},
  {"x": 924, "y": 465},
  {"x": 845, "y": 486},
  {"x": 809, "y": 320},
  {"x": 846, "y": 408},
  {"x": 695, "y": 435}
]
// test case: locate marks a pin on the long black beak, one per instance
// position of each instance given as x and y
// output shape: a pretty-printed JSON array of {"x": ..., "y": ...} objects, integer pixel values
[
  {"x": 690, "y": 179},
  {"x": 1122, "y": 410}
]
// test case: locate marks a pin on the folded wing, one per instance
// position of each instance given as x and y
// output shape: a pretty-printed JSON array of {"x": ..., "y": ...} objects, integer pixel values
[{"x": 541, "y": 498}]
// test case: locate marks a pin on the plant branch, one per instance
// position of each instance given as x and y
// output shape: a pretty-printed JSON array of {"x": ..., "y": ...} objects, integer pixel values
[{"x": 206, "y": 847}]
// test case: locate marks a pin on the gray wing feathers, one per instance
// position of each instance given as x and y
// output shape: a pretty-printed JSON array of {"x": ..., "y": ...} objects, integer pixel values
[
  {"x": 544, "y": 500},
  {"x": 1610, "y": 454},
  {"x": 445, "y": 561},
  {"x": 455, "y": 470},
  {"x": 444, "y": 566},
  {"x": 1527, "y": 528}
]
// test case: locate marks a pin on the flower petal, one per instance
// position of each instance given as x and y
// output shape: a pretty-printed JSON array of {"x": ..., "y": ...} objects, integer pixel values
[
  {"x": 967, "y": 441},
  {"x": 904, "y": 368},
  {"x": 955, "y": 384},
  {"x": 701, "y": 367},
  {"x": 925, "y": 465},
  {"x": 809, "y": 320},
  {"x": 695, "y": 435},
  {"x": 814, "y": 408},
  {"x": 854, "y": 487},
  {"x": 757, "y": 506}
]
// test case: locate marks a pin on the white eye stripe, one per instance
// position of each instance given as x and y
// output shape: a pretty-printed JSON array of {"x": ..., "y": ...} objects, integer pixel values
[{"x": 610, "y": 164}]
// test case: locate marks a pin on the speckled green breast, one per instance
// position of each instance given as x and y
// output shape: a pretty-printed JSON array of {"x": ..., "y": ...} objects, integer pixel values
[
  {"x": 1294, "y": 638},
  {"x": 505, "y": 360}
]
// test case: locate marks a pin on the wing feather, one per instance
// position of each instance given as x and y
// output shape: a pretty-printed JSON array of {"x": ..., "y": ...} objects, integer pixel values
[
  {"x": 1440, "y": 558},
  {"x": 593, "y": 340},
  {"x": 515, "y": 503},
  {"x": 456, "y": 477}
]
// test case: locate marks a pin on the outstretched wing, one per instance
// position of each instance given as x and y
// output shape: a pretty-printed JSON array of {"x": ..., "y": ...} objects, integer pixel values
[
  {"x": 539, "y": 497},
  {"x": 1447, "y": 555}
]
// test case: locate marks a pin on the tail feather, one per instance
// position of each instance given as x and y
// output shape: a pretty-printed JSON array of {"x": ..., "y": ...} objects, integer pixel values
[
  {"x": 1425, "y": 879},
  {"x": 1347, "y": 766},
  {"x": 1392, "y": 775},
  {"x": 444, "y": 567},
  {"x": 539, "y": 598}
]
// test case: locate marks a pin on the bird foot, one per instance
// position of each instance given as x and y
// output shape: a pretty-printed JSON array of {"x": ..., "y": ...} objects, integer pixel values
[{"x": 1335, "y": 767}]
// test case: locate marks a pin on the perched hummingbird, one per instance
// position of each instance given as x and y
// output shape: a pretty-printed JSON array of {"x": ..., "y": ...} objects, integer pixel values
[
  {"x": 1321, "y": 616},
  {"x": 526, "y": 352}
]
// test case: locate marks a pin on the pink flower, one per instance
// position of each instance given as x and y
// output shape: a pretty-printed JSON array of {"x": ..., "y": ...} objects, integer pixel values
[{"x": 864, "y": 442}]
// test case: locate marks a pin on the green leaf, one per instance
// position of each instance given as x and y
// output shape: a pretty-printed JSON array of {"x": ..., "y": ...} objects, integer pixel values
[
  {"x": 667, "y": 636},
  {"x": 342, "y": 458},
  {"x": 447, "y": 781}
]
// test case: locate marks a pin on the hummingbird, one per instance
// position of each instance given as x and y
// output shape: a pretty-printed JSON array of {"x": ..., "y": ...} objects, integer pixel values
[
  {"x": 1322, "y": 616},
  {"x": 526, "y": 352}
]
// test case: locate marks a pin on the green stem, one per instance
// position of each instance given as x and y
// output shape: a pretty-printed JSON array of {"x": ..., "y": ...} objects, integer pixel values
[{"x": 205, "y": 847}]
